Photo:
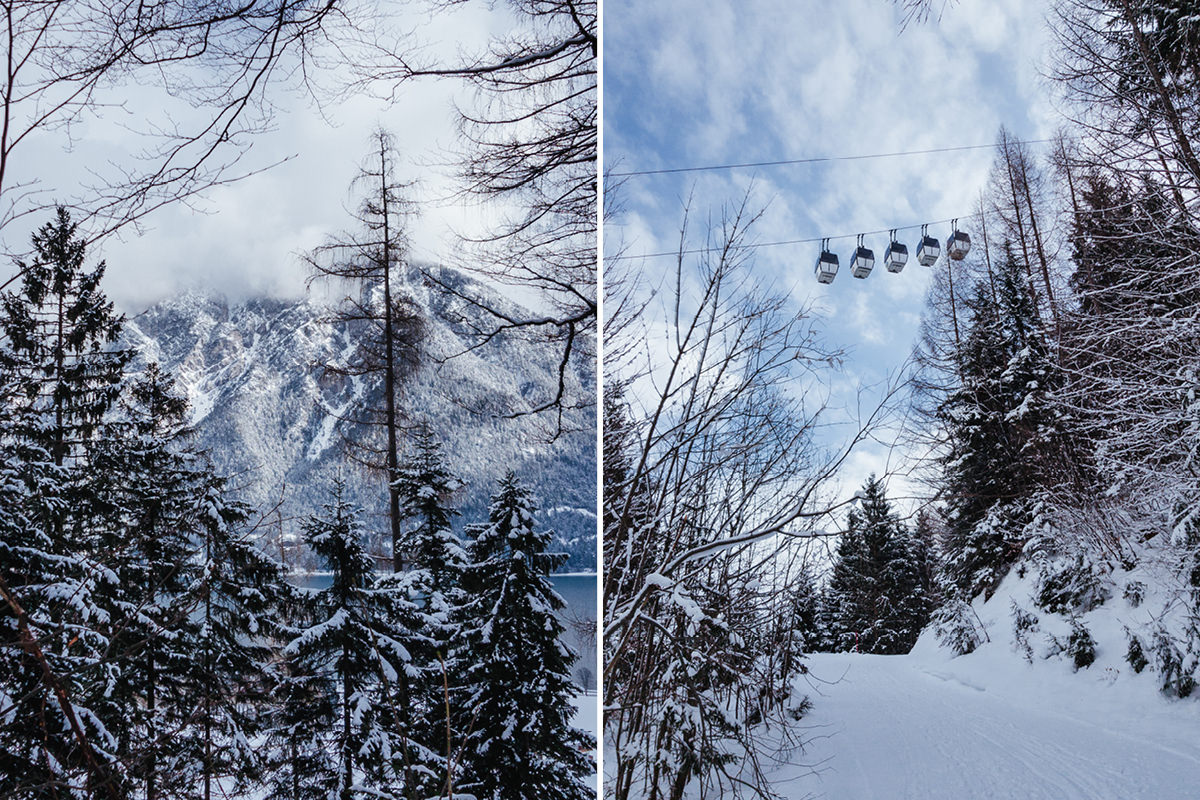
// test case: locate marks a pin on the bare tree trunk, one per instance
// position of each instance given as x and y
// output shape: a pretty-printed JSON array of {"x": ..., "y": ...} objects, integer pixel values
[{"x": 389, "y": 368}]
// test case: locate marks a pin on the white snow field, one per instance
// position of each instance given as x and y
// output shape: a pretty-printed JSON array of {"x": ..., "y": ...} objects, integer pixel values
[{"x": 926, "y": 726}]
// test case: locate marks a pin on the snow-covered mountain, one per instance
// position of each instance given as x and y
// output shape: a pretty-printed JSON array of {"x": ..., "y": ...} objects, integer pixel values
[{"x": 274, "y": 418}]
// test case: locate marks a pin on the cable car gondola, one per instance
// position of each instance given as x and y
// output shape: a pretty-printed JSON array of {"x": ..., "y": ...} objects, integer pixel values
[
  {"x": 896, "y": 255},
  {"x": 959, "y": 244},
  {"x": 862, "y": 261},
  {"x": 929, "y": 249},
  {"x": 827, "y": 264}
]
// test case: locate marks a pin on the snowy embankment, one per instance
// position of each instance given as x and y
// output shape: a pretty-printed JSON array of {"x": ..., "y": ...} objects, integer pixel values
[{"x": 990, "y": 724}]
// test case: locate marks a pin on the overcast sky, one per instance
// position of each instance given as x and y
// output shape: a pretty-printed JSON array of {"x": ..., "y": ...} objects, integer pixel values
[
  {"x": 716, "y": 81},
  {"x": 246, "y": 239}
]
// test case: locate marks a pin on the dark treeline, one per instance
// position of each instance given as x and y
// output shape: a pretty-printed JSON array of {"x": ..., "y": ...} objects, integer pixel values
[{"x": 149, "y": 649}]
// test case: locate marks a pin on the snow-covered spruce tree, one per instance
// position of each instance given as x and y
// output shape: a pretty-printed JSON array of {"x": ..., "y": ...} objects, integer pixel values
[
  {"x": 1003, "y": 436},
  {"x": 875, "y": 593},
  {"x": 435, "y": 558},
  {"x": 512, "y": 705},
  {"x": 239, "y": 593},
  {"x": 144, "y": 524},
  {"x": 52, "y": 744},
  {"x": 190, "y": 606},
  {"x": 58, "y": 329},
  {"x": 804, "y": 618},
  {"x": 59, "y": 377},
  {"x": 343, "y": 686}
]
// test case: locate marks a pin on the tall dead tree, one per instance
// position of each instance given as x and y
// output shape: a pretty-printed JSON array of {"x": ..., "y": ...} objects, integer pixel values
[
  {"x": 531, "y": 148},
  {"x": 385, "y": 324}
]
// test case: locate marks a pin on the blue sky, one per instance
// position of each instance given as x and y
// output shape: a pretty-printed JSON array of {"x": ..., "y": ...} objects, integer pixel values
[{"x": 717, "y": 81}]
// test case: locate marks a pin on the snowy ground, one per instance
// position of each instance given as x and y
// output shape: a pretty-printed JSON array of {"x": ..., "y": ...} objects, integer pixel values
[
  {"x": 925, "y": 726},
  {"x": 587, "y": 716}
]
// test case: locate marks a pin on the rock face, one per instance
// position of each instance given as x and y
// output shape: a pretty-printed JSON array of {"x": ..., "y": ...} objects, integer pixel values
[{"x": 275, "y": 419}]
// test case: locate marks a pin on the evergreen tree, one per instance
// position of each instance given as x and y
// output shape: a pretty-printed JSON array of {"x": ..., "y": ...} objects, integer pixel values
[
  {"x": 347, "y": 660},
  {"x": 1005, "y": 439},
  {"x": 190, "y": 607},
  {"x": 59, "y": 328},
  {"x": 52, "y": 743},
  {"x": 806, "y": 611},
  {"x": 514, "y": 700},
  {"x": 144, "y": 492},
  {"x": 435, "y": 559},
  {"x": 877, "y": 603},
  {"x": 59, "y": 376}
]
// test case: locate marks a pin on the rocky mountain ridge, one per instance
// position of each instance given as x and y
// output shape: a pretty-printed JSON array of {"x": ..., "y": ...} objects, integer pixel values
[{"x": 273, "y": 417}]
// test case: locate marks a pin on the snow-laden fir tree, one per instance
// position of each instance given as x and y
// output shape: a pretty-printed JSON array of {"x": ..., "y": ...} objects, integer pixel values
[
  {"x": 239, "y": 593},
  {"x": 877, "y": 603},
  {"x": 58, "y": 329},
  {"x": 52, "y": 744},
  {"x": 146, "y": 526},
  {"x": 513, "y": 703},
  {"x": 1003, "y": 437},
  {"x": 345, "y": 694},
  {"x": 434, "y": 557},
  {"x": 59, "y": 377}
]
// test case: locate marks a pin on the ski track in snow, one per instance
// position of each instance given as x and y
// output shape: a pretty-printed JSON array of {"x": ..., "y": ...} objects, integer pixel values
[{"x": 897, "y": 727}]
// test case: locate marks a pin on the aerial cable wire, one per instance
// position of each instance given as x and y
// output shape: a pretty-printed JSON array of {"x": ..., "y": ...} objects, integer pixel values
[{"x": 819, "y": 160}]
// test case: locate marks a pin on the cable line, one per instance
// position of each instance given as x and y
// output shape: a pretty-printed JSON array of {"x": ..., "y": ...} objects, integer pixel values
[
  {"x": 824, "y": 159},
  {"x": 755, "y": 245}
]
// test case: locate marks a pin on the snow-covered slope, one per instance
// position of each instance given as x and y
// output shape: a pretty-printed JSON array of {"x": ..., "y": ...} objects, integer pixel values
[
  {"x": 1014, "y": 718},
  {"x": 928, "y": 726},
  {"x": 270, "y": 414}
]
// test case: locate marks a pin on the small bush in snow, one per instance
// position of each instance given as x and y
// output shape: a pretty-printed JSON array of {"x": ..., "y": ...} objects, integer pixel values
[
  {"x": 1135, "y": 593},
  {"x": 1081, "y": 646},
  {"x": 1070, "y": 587},
  {"x": 1135, "y": 655},
  {"x": 1024, "y": 623},
  {"x": 800, "y": 708},
  {"x": 1169, "y": 661},
  {"x": 955, "y": 627}
]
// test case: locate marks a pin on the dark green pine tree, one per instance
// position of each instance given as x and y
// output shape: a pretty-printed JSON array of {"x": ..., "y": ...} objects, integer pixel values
[
  {"x": 59, "y": 376},
  {"x": 59, "y": 329},
  {"x": 41, "y": 754},
  {"x": 239, "y": 594},
  {"x": 877, "y": 603},
  {"x": 805, "y": 612},
  {"x": 191, "y": 607},
  {"x": 514, "y": 700},
  {"x": 145, "y": 493},
  {"x": 343, "y": 694},
  {"x": 435, "y": 558},
  {"x": 1003, "y": 434}
]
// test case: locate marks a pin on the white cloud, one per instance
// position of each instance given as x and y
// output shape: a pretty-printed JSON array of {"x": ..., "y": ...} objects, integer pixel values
[
  {"x": 245, "y": 238},
  {"x": 691, "y": 83}
]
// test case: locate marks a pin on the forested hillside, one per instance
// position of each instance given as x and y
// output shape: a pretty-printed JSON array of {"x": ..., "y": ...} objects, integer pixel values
[{"x": 270, "y": 399}]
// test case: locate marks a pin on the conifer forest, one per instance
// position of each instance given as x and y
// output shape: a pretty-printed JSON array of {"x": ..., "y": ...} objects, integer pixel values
[{"x": 376, "y": 627}]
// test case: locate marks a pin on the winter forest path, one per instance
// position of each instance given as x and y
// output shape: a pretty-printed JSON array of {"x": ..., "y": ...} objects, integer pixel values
[{"x": 897, "y": 727}]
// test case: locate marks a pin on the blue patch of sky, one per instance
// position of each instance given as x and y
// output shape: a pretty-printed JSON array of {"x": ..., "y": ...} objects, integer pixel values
[{"x": 715, "y": 82}]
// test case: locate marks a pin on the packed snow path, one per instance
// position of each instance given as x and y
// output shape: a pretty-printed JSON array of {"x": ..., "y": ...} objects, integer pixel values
[{"x": 894, "y": 727}]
